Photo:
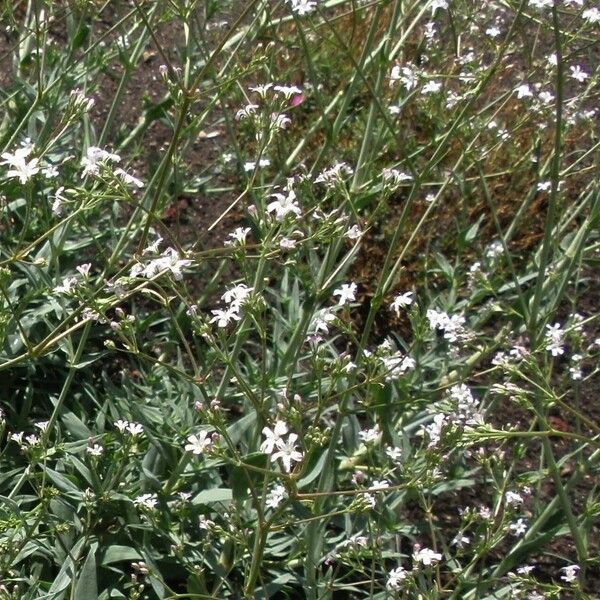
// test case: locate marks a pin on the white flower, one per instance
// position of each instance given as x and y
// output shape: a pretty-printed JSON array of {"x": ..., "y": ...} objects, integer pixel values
[
  {"x": 42, "y": 425},
  {"x": 238, "y": 236},
  {"x": 17, "y": 437},
  {"x": 334, "y": 174},
  {"x": 287, "y": 452},
  {"x": 541, "y": 3},
  {"x": 261, "y": 90},
  {"x": 284, "y": 205},
  {"x": 321, "y": 320},
  {"x": 493, "y": 31},
  {"x": 369, "y": 436},
  {"x": 524, "y": 91},
  {"x": 518, "y": 528},
  {"x": 353, "y": 233},
  {"x": 395, "y": 579},
  {"x": 224, "y": 317},
  {"x": 94, "y": 157},
  {"x": 591, "y": 15},
  {"x": 280, "y": 121},
  {"x": 513, "y": 498},
  {"x": 121, "y": 425},
  {"x": 198, "y": 444},
  {"x": 379, "y": 483},
  {"x": 426, "y": 556},
  {"x": 400, "y": 301},
  {"x": 276, "y": 496},
  {"x": 394, "y": 454},
  {"x": 302, "y": 7},
  {"x": 247, "y": 111},
  {"x": 394, "y": 176},
  {"x": 405, "y": 75},
  {"x": 67, "y": 286},
  {"x": 84, "y": 269},
  {"x": 460, "y": 541},
  {"x": 570, "y": 573},
  {"x": 250, "y": 165},
  {"x": 21, "y": 169},
  {"x": 129, "y": 179},
  {"x": 578, "y": 73},
  {"x": 147, "y": 501},
  {"x": 288, "y": 90},
  {"x": 273, "y": 436},
  {"x": 555, "y": 339},
  {"x": 431, "y": 87},
  {"x": 50, "y": 172},
  {"x": 525, "y": 570},
  {"x": 443, "y": 4},
  {"x": 135, "y": 429},
  {"x": 95, "y": 450},
  {"x": 346, "y": 293},
  {"x": 237, "y": 296}
]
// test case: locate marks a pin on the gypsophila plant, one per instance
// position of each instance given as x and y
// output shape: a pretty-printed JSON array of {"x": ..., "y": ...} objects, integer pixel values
[{"x": 298, "y": 299}]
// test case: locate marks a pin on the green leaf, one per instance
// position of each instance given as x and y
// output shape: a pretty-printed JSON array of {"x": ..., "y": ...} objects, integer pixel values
[
  {"x": 116, "y": 553},
  {"x": 214, "y": 495},
  {"x": 86, "y": 587}
]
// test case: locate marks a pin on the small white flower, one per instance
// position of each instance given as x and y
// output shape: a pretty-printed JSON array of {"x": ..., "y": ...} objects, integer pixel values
[
  {"x": 368, "y": 436},
  {"x": 493, "y": 32},
  {"x": 135, "y": 429},
  {"x": 525, "y": 570},
  {"x": 353, "y": 233},
  {"x": 578, "y": 73},
  {"x": 287, "y": 452},
  {"x": 276, "y": 496},
  {"x": 591, "y": 15},
  {"x": 321, "y": 320},
  {"x": 237, "y": 296},
  {"x": 224, "y": 317},
  {"x": 67, "y": 286},
  {"x": 147, "y": 501},
  {"x": 431, "y": 87},
  {"x": 346, "y": 293},
  {"x": 94, "y": 158},
  {"x": 198, "y": 444},
  {"x": 20, "y": 168},
  {"x": 513, "y": 498},
  {"x": 524, "y": 91},
  {"x": 273, "y": 436},
  {"x": 570, "y": 573},
  {"x": 518, "y": 528},
  {"x": 394, "y": 454},
  {"x": 129, "y": 179},
  {"x": 555, "y": 339},
  {"x": 302, "y": 7},
  {"x": 121, "y": 425},
  {"x": 84, "y": 269},
  {"x": 95, "y": 450},
  {"x": 238, "y": 236},
  {"x": 395, "y": 579},
  {"x": 426, "y": 556},
  {"x": 288, "y": 90},
  {"x": 400, "y": 301},
  {"x": 284, "y": 205}
]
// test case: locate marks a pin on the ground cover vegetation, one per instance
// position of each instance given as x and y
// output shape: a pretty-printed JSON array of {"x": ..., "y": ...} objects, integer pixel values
[{"x": 298, "y": 299}]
